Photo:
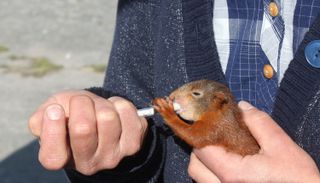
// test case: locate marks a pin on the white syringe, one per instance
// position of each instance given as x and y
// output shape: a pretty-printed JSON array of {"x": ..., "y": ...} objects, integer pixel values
[{"x": 150, "y": 111}]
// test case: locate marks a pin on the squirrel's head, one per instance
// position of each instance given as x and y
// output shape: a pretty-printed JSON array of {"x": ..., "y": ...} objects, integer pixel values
[{"x": 198, "y": 97}]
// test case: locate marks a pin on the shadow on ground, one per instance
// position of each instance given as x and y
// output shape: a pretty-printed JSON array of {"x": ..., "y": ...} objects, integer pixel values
[{"x": 23, "y": 167}]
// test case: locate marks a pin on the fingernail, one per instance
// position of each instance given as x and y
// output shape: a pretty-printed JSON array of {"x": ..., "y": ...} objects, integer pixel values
[
  {"x": 245, "y": 105},
  {"x": 54, "y": 112}
]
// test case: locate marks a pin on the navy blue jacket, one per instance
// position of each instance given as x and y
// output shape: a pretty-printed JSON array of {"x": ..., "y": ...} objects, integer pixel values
[{"x": 160, "y": 45}]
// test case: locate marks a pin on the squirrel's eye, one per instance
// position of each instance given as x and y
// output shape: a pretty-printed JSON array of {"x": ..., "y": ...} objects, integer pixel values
[{"x": 196, "y": 94}]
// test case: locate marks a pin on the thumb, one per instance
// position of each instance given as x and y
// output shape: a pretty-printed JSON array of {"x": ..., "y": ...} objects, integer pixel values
[
  {"x": 53, "y": 153},
  {"x": 260, "y": 124}
]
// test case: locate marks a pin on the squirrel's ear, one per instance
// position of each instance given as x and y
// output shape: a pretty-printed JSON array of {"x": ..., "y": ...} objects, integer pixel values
[{"x": 221, "y": 98}]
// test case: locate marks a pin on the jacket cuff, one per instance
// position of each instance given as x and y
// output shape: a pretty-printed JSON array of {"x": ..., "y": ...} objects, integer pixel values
[{"x": 100, "y": 92}]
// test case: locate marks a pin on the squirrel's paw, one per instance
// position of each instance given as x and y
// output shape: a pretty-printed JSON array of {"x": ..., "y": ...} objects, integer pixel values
[{"x": 164, "y": 107}]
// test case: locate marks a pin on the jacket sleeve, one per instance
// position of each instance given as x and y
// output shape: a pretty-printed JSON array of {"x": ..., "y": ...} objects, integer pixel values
[{"x": 141, "y": 167}]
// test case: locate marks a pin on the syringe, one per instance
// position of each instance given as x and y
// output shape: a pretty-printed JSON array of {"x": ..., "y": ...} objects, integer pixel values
[{"x": 150, "y": 111}]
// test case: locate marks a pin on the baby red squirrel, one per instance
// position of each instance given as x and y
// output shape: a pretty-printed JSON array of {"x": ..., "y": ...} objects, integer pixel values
[{"x": 216, "y": 118}]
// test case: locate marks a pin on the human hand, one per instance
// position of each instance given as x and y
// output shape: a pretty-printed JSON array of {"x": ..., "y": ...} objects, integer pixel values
[
  {"x": 85, "y": 131},
  {"x": 279, "y": 160}
]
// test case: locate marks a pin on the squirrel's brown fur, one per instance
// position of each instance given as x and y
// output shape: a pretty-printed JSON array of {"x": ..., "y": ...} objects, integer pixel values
[{"x": 216, "y": 118}]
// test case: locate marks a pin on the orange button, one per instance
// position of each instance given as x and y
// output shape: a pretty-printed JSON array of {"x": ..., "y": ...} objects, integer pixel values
[
  {"x": 268, "y": 71},
  {"x": 273, "y": 9}
]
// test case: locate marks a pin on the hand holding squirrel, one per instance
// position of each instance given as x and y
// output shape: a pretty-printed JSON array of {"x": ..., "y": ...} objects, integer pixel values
[
  {"x": 220, "y": 133},
  {"x": 279, "y": 160}
]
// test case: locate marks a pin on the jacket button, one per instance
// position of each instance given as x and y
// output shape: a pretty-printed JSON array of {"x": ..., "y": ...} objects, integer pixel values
[
  {"x": 268, "y": 71},
  {"x": 273, "y": 9},
  {"x": 312, "y": 53}
]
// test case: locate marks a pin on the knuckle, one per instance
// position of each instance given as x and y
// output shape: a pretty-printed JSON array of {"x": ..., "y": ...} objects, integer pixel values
[
  {"x": 140, "y": 127},
  {"x": 123, "y": 105},
  {"x": 106, "y": 114},
  {"x": 82, "y": 130},
  {"x": 133, "y": 148},
  {"x": 111, "y": 164},
  {"x": 144, "y": 123},
  {"x": 111, "y": 161}
]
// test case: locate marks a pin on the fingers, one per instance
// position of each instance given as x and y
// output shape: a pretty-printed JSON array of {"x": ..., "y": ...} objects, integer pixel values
[
  {"x": 61, "y": 98},
  {"x": 83, "y": 132},
  {"x": 199, "y": 172},
  {"x": 133, "y": 126},
  {"x": 94, "y": 132},
  {"x": 54, "y": 151},
  {"x": 35, "y": 121},
  {"x": 109, "y": 133},
  {"x": 264, "y": 129},
  {"x": 217, "y": 160}
]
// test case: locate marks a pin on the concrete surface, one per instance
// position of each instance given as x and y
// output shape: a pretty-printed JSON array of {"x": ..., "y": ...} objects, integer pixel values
[{"x": 72, "y": 33}]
